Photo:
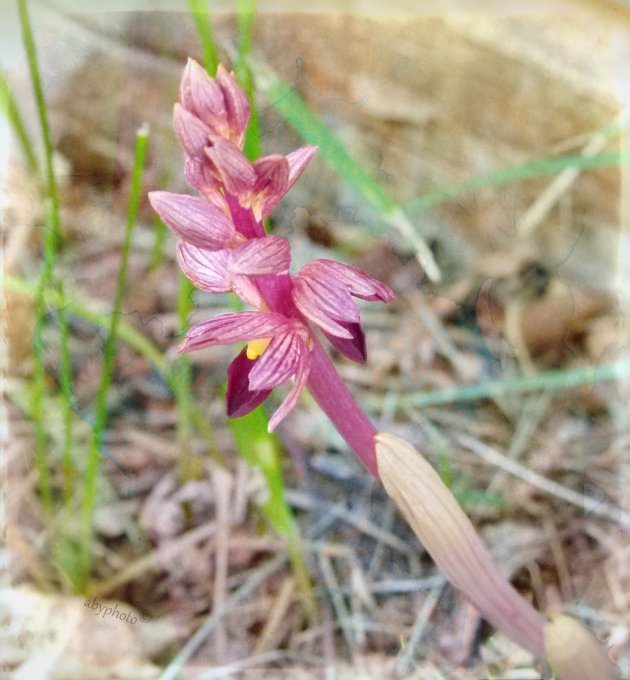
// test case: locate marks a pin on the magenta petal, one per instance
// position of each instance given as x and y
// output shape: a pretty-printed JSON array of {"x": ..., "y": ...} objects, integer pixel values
[
  {"x": 243, "y": 218},
  {"x": 234, "y": 327},
  {"x": 247, "y": 290},
  {"x": 203, "y": 96},
  {"x": 193, "y": 219},
  {"x": 198, "y": 172},
  {"x": 237, "y": 173},
  {"x": 259, "y": 256},
  {"x": 354, "y": 349},
  {"x": 239, "y": 398},
  {"x": 207, "y": 270},
  {"x": 298, "y": 161},
  {"x": 355, "y": 281},
  {"x": 272, "y": 175},
  {"x": 236, "y": 103},
  {"x": 325, "y": 305},
  {"x": 193, "y": 134},
  {"x": 296, "y": 164},
  {"x": 279, "y": 361},
  {"x": 291, "y": 398}
]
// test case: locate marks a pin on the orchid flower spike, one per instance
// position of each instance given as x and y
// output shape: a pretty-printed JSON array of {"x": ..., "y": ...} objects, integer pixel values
[{"x": 223, "y": 247}]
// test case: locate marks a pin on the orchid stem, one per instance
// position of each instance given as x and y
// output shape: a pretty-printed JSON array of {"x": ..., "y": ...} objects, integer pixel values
[{"x": 336, "y": 401}]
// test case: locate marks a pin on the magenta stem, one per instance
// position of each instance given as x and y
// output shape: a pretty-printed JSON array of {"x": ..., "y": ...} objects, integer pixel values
[
  {"x": 324, "y": 383},
  {"x": 335, "y": 400}
]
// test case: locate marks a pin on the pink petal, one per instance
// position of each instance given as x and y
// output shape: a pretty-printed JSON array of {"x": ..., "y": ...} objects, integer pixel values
[
  {"x": 353, "y": 349},
  {"x": 207, "y": 270},
  {"x": 267, "y": 255},
  {"x": 272, "y": 175},
  {"x": 193, "y": 135},
  {"x": 355, "y": 281},
  {"x": 239, "y": 399},
  {"x": 243, "y": 218},
  {"x": 203, "y": 96},
  {"x": 325, "y": 305},
  {"x": 237, "y": 173},
  {"x": 291, "y": 398},
  {"x": 199, "y": 175},
  {"x": 236, "y": 103},
  {"x": 234, "y": 327},
  {"x": 278, "y": 363},
  {"x": 247, "y": 290},
  {"x": 194, "y": 219},
  {"x": 298, "y": 161}
]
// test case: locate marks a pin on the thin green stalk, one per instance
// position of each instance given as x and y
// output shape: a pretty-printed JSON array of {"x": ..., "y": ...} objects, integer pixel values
[
  {"x": 157, "y": 251},
  {"x": 263, "y": 450},
  {"x": 10, "y": 110},
  {"x": 529, "y": 170},
  {"x": 189, "y": 465},
  {"x": 51, "y": 237},
  {"x": 31, "y": 55},
  {"x": 100, "y": 417},
  {"x": 201, "y": 15},
  {"x": 245, "y": 13},
  {"x": 65, "y": 381},
  {"x": 125, "y": 332},
  {"x": 39, "y": 395},
  {"x": 550, "y": 380}
]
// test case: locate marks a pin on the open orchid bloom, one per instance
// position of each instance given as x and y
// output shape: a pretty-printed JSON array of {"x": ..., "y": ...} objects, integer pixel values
[
  {"x": 322, "y": 292},
  {"x": 277, "y": 349},
  {"x": 279, "y": 342}
]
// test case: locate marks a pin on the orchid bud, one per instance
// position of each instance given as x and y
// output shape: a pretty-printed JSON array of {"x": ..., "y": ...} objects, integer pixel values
[
  {"x": 449, "y": 537},
  {"x": 574, "y": 653}
]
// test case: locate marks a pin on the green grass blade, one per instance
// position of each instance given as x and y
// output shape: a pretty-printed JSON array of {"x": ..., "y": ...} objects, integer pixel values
[
  {"x": 126, "y": 333},
  {"x": 245, "y": 12},
  {"x": 549, "y": 380},
  {"x": 529, "y": 170},
  {"x": 263, "y": 450},
  {"x": 159, "y": 237},
  {"x": 39, "y": 396},
  {"x": 31, "y": 55},
  {"x": 100, "y": 417},
  {"x": 9, "y": 109},
  {"x": 201, "y": 15},
  {"x": 65, "y": 383},
  {"x": 189, "y": 465},
  {"x": 51, "y": 237}
]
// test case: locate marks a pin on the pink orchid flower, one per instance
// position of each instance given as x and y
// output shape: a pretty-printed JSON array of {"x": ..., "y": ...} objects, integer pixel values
[
  {"x": 278, "y": 348},
  {"x": 279, "y": 344}
]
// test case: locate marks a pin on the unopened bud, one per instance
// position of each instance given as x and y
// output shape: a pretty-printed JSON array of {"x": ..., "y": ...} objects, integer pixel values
[
  {"x": 574, "y": 653},
  {"x": 451, "y": 540}
]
